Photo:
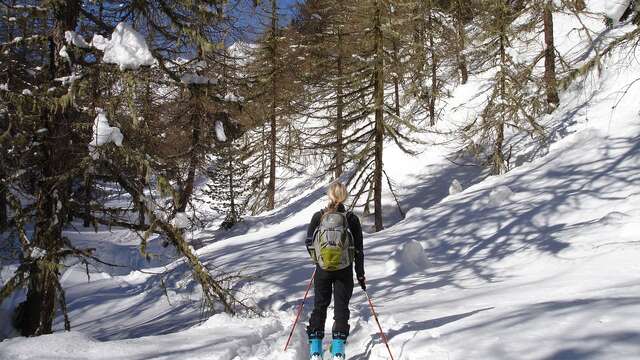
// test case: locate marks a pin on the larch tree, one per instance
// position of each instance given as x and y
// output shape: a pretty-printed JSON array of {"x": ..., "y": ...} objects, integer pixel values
[
  {"x": 50, "y": 106},
  {"x": 513, "y": 100}
]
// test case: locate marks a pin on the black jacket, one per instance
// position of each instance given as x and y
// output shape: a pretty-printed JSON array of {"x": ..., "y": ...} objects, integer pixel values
[{"x": 356, "y": 231}]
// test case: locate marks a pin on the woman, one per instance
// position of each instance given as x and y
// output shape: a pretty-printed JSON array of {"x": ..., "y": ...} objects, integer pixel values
[{"x": 340, "y": 280}]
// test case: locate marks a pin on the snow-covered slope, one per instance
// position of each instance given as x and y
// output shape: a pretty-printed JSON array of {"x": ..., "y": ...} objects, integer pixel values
[{"x": 541, "y": 263}]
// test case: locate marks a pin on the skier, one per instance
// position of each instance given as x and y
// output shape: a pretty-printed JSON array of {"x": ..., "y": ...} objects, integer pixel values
[{"x": 334, "y": 241}]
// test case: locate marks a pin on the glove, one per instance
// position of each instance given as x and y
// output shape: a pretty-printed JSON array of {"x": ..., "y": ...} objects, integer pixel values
[{"x": 363, "y": 285}]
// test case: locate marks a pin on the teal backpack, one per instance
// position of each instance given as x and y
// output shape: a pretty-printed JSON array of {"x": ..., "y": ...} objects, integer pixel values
[{"x": 332, "y": 248}]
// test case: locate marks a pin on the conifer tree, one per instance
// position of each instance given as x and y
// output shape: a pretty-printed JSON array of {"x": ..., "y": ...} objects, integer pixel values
[
  {"x": 51, "y": 103},
  {"x": 511, "y": 103}
]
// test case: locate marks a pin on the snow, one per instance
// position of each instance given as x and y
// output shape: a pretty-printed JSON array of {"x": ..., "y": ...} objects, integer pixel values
[
  {"x": 99, "y": 42},
  {"x": 455, "y": 187},
  {"x": 616, "y": 8},
  {"x": 221, "y": 337},
  {"x": 37, "y": 253},
  {"x": 220, "y": 135},
  {"x": 181, "y": 220},
  {"x": 499, "y": 196},
  {"x": 192, "y": 78},
  {"x": 127, "y": 48},
  {"x": 63, "y": 53},
  {"x": 409, "y": 258},
  {"x": 4, "y": 87},
  {"x": 232, "y": 97},
  {"x": 103, "y": 133},
  {"x": 68, "y": 80},
  {"x": 539, "y": 263},
  {"x": 76, "y": 40}
]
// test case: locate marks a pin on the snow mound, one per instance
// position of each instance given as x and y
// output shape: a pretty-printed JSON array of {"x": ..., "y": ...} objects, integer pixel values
[
  {"x": 499, "y": 196},
  {"x": 415, "y": 212},
  {"x": 455, "y": 187},
  {"x": 127, "y": 49},
  {"x": 410, "y": 258}
]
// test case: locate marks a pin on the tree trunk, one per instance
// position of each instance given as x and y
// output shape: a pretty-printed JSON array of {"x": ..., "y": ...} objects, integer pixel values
[
  {"x": 139, "y": 200},
  {"x": 233, "y": 214},
  {"x": 461, "y": 35},
  {"x": 38, "y": 311},
  {"x": 419, "y": 53},
  {"x": 86, "y": 198},
  {"x": 271, "y": 186},
  {"x": 379, "y": 113},
  {"x": 339, "y": 113},
  {"x": 550, "y": 60},
  {"x": 187, "y": 189},
  {"x": 4, "y": 217},
  {"x": 434, "y": 69},
  {"x": 3, "y": 211},
  {"x": 396, "y": 80},
  {"x": 498, "y": 165}
]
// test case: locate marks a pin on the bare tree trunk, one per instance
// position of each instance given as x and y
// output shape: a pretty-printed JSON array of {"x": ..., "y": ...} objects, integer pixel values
[
  {"x": 379, "y": 113},
  {"x": 550, "y": 59},
  {"x": 139, "y": 200},
  {"x": 460, "y": 57},
  {"x": 187, "y": 189},
  {"x": 339, "y": 114},
  {"x": 86, "y": 198},
  {"x": 3, "y": 211},
  {"x": 367, "y": 209},
  {"x": 419, "y": 53},
  {"x": 232, "y": 195},
  {"x": 4, "y": 216},
  {"x": 498, "y": 166},
  {"x": 271, "y": 186},
  {"x": 434, "y": 68},
  {"x": 396, "y": 80}
]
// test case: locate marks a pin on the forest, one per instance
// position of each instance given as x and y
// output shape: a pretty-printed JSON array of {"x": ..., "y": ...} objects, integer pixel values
[{"x": 161, "y": 118}]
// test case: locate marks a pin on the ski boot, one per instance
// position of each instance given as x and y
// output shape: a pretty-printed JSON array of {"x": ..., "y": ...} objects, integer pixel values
[
  {"x": 315, "y": 344},
  {"x": 338, "y": 345}
]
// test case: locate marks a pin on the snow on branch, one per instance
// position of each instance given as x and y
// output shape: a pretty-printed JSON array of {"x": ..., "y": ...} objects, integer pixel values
[
  {"x": 74, "y": 39},
  {"x": 103, "y": 133},
  {"x": 127, "y": 48}
]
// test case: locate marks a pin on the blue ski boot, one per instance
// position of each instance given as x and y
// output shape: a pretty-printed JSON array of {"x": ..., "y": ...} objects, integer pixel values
[
  {"x": 315, "y": 344},
  {"x": 338, "y": 345}
]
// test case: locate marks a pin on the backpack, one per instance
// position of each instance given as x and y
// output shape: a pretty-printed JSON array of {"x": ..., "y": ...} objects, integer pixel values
[{"x": 332, "y": 246}]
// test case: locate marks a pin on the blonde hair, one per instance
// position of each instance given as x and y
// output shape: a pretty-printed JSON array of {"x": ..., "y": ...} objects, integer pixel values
[{"x": 337, "y": 194}]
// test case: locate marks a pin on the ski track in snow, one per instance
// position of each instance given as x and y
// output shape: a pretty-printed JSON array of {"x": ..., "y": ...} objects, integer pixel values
[{"x": 541, "y": 263}]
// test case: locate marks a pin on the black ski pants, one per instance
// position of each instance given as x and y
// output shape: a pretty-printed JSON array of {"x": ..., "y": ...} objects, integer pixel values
[{"x": 339, "y": 282}]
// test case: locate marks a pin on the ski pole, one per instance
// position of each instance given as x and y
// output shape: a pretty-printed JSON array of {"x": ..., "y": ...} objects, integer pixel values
[
  {"x": 373, "y": 311},
  {"x": 293, "y": 327}
]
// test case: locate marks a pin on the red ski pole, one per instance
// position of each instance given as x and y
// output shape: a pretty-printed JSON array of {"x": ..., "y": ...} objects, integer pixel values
[
  {"x": 300, "y": 310},
  {"x": 373, "y": 311}
]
